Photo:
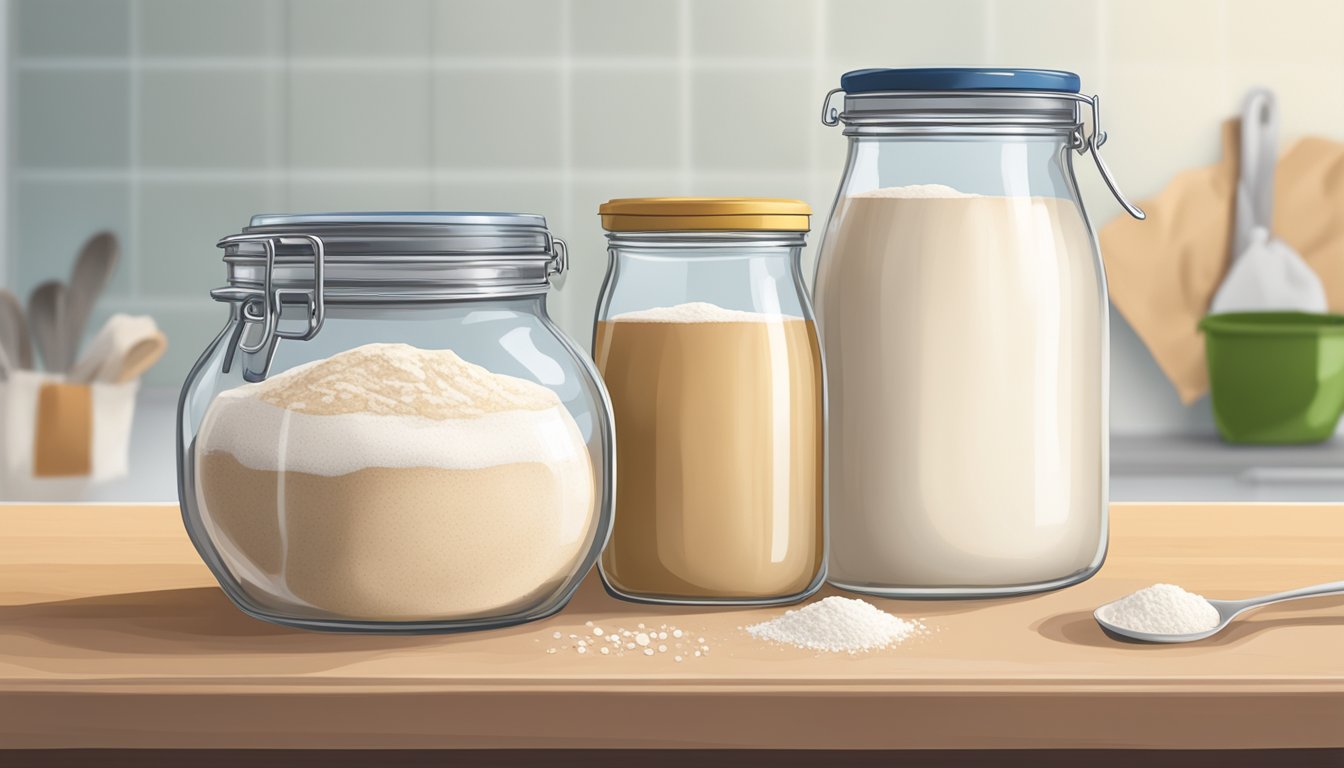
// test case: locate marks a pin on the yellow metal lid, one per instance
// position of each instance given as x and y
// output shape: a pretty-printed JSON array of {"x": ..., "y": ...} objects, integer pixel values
[{"x": 675, "y": 214}]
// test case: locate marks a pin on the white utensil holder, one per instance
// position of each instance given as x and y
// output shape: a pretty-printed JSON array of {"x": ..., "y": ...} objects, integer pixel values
[{"x": 57, "y": 438}]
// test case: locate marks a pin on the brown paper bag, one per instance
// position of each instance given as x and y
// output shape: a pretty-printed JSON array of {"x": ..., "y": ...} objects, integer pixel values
[{"x": 1163, "y": 272}]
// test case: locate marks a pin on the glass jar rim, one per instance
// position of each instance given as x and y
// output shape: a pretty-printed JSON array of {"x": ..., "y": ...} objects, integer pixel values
[{"x": 688, "y": 241}]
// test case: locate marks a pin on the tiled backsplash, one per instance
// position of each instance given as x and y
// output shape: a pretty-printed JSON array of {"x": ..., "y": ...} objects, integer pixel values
[{"x": 171, "y": 121}]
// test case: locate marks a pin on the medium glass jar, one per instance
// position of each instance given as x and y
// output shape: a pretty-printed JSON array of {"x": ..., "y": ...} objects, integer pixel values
[
  {"x": 390, "y": 434},
  {"x": 706, "y": 340},
  {"x": 963, "y": 311}
]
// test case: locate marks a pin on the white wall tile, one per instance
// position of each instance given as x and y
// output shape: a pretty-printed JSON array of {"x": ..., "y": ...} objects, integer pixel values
[
  {"x": 209, "y": 119},
  {"x": 359, "y": 195},
  {"x": 498, "y": 29},
  {"x": 624, "y": 28},
  {"x": 359, "y": 119},
  {"x": 497, "y": 119},
  {"x": 51, "y": 221},
  {"x": 76, "y": 28},
  {"x": 1049, "y": 34},
  {"x": 625, "y": 119},
  {"x": 1160, "y": 33},
  {"x": 906, "y": 33},
  {"x": 751, "y": 120},
  {"x": 1161, "y": 122},
  {"x": 742, "y": 28},
  {"x": 543, "y": 197},
  {"x": 1274, "y": 32},
  {"x": 72, "y": 119},
  {"x": 180, "y": 224},
  {"x": 369, "y": 119},
  {"x": 355, "y": 28},
  {"x": 210, "y": 28}
]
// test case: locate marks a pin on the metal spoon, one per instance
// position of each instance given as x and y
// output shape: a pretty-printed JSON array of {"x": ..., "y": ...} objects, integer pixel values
[
  {"x": 1227, "y": 611},
  {"x": 90, "y": 275},
  {"x": 46, "y": 318}
]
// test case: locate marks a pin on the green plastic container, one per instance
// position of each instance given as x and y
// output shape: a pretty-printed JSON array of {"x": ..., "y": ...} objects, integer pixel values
[{"x": 1276, "y": 377}]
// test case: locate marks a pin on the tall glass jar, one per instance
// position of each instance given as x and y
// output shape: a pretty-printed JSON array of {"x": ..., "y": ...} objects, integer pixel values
[
  {"x": 390, "y": 434},
  {"x": 707, "y": 343},
  {"x": 963, "y": 311}
]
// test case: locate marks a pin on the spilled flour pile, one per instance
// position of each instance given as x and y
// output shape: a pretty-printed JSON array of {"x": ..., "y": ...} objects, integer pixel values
[
  {"x": 1162, "y": 609},
  {"x": 837, "y": 624}
]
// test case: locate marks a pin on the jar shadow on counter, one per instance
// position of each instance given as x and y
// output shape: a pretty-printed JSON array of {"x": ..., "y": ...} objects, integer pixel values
[
  {"x": 189, "y": 621},
  {"x": 591, "y": 602},
  {"x": 1081, "y": 628}
]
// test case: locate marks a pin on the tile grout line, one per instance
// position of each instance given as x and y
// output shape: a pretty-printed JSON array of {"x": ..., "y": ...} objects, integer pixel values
[
  {"x": 391, "y": 175},
  {"x": 817, "y": 65},
  {"x": 286, "y": 180},
  {"x": 10, "y": 242},
  {"x": 566, "y": 176},
  {"x": 1100, "y": 44},
  {"x": 685, "y": 172},
  {"x": 446, "y": 63},
  {"x": 988, "y": 37},
  {"x": 131, "y": 252},
  {"x": 432, "y": 114},
  {"x": 820, "y": 86}
]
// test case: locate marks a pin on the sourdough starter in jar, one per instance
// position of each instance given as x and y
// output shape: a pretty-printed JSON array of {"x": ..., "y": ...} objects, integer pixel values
[
  {"x": 394, "y": 483},
  {"x": 972, "y": 335},
  {"x": 719, "y": 417}
]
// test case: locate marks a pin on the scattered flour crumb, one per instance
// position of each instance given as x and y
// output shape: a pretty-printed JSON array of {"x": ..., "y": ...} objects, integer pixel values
[{"x": 642, "y": 641}]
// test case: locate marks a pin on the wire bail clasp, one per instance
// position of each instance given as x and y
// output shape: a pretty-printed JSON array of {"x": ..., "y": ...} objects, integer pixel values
[
  {"x": 265, "y": 306},
  {"x": 1085, "y": 142},
  {"x": 558, "y": 266},
  {"x": 830, "y": 116}
]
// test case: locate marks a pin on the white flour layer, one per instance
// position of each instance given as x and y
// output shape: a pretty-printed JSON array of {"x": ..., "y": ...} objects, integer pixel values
[
  {"x": 916, "y": 191},
  {"x": 699, "y": 312},
  {"x": 391, "y": 405}
]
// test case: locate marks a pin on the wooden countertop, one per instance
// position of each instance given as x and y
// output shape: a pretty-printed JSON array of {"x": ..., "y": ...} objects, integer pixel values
[{"x": 113, "y": 634}]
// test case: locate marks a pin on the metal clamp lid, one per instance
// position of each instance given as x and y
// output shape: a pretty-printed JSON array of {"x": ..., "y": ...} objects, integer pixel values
[{"x": 925, "y": 121}]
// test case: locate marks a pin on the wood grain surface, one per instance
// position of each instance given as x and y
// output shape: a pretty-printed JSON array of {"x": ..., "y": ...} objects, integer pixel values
[{"x": 114, "y": 635}]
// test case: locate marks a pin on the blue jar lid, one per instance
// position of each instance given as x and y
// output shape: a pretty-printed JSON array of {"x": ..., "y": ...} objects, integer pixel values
[{"x": 959, "y": 79}]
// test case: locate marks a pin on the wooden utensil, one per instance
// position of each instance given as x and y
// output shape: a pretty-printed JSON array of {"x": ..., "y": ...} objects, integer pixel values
[
  {"x": 47, "y": 320},
  {"x": 141, "y": 357},
  {"x": 123, "y": 348},
  {"x": 14, "y": 331},
  {"x": 89, "y": 277}
]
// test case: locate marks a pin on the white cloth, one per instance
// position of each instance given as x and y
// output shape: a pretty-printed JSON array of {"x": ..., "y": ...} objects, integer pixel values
[{"x": 1266, "y": 273}]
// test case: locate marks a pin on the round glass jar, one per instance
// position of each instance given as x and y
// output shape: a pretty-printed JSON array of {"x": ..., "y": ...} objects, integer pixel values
[
  {"x": 706, "y": 340},
  {"x": 963, "y": 311},
  {"x": 390, "y": 434}
]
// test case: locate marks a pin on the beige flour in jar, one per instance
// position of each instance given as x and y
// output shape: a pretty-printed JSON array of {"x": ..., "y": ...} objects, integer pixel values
[
  {"x": 395, "y": 483},
  {"x": 719, "y": 446},
  {"x": 965, "y": 350}
]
